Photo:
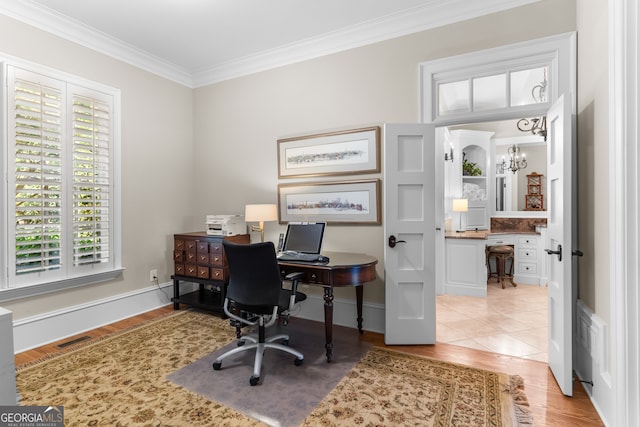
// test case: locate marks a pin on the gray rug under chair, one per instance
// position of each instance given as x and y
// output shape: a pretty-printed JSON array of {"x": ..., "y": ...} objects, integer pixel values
[{"x": 286, "y": 393}]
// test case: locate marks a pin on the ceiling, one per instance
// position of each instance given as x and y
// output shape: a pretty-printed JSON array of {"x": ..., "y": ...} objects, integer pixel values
[{"x": 198, "y": 42}]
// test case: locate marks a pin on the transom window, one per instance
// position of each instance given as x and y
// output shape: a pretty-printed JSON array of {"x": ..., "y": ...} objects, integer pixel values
[
  {"x": 520, "y": 80},
  {"x": 493, "y": 92}
]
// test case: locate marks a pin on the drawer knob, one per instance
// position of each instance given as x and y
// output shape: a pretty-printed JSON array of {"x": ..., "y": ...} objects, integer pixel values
[{"x": 313, "y": 277}]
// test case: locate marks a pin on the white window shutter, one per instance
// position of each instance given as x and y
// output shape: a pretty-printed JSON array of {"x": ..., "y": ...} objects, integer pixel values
[
  {"x": 92, "y": 192},
  {"x": 36, "y": 120}
]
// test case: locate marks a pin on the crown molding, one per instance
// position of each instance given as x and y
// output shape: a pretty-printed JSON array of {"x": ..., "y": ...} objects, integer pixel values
[
  {"x": 52, "y": 22},
  {"x": 432, "y": 14}
]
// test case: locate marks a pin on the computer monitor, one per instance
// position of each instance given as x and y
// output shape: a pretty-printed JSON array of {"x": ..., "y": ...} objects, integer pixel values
[{"x": 305, "y": 237}]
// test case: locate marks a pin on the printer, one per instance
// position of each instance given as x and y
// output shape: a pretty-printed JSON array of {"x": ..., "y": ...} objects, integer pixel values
[{"x": 226, "y": 225}]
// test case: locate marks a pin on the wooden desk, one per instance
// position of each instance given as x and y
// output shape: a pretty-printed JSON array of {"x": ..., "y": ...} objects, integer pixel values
[{"x": 343, "y": 269}]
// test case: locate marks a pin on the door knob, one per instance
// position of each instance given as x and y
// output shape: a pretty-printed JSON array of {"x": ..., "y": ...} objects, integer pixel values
[
  {"x": 557, "y": 252},
  {"x": 393, "y": 241}
]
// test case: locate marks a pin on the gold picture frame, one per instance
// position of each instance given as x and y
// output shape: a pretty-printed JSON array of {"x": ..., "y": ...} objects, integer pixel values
[
  {"x": 355, "y": 151},
  {"x": 345, "y": 202}
]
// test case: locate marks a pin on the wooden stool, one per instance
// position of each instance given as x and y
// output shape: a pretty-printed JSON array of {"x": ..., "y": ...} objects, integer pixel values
[{"x": 501, "y": 254}]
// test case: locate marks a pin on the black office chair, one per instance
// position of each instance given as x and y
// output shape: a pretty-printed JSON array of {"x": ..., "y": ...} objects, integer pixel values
[{"x": 255, "y": 296}]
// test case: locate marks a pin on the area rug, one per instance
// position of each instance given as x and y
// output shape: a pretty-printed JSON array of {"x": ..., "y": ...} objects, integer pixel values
[
  {"x": 121, "y": 380},
  {"x": 286, "y": 394},
  {"x": 390, "y": 388}
]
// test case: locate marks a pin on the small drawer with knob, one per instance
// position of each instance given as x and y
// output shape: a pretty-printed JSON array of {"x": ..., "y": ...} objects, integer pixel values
[
  {"x": 180, "y": 269},
  {"x": 203, "y": 272},
  {"x": 530, "y": 242},
  {"x": 317, "y": 276},
  {"x": 191, "y": 270},
  {"x": 217, "y": 273},
  {"x": 178, "y": 256},
  {"x": 215, "y": 248},
  {"x": 527, "y": 253},
  {"x": 527, "y": 268},
  {"x": 216, "y": 260}
]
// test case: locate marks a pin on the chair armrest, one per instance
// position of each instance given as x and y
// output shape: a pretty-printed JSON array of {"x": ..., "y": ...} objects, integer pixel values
[{"x": 294, "y": 278}]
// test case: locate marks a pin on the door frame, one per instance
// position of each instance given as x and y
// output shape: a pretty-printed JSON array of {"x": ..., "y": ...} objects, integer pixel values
[
  {"x": 624, "y": 156},
  {"x": 558, "y": 52}
]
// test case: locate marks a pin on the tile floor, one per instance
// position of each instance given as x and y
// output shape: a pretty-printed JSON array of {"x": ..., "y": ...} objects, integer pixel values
[{"x": 510, "y": 321}]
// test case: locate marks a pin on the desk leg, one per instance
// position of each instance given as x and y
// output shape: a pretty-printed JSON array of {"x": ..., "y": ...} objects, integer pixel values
[
  {"x": 328, "y": 321},
  {"x": 176, "y": 294},
  {"x": 359, "y": 292}
]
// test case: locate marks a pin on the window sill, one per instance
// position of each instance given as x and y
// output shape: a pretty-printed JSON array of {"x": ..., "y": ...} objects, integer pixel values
[{"x": 60, "y": 285}]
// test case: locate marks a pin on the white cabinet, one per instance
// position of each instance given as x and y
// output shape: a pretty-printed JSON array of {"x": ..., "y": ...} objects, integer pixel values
[
  {"x": 467, "y": 177},
  {"x": 528, "y": 267},
  {"x": 465, "y": 267},
  {"x": 527, "y": 260}
]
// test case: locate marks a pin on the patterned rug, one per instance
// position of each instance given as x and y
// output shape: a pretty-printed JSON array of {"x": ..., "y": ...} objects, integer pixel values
[{"x": 121, "y": 380}]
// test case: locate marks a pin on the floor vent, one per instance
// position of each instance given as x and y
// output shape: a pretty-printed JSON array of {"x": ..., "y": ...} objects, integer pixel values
[{"x": 74, "y": 341}]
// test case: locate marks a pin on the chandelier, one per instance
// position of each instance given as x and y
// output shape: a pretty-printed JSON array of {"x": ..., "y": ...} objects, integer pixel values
[
  {"x": 515, "y": 162},
  {"x": 537, "y": 125}
]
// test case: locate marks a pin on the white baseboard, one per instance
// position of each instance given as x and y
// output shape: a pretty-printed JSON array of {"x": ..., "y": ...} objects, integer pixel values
[
  {"x": 39, "y": 330},
  {"x": 49, "y": 327},
  {"x": 591, "y": 361}
]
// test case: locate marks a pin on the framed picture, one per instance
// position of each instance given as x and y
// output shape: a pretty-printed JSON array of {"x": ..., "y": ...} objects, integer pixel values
[
  {"x": 334, "y": 153},
  {"x": 347, "y": 202}
]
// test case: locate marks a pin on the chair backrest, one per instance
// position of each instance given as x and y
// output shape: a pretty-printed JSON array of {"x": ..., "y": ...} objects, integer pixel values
[{"x": 254, "y": 275}]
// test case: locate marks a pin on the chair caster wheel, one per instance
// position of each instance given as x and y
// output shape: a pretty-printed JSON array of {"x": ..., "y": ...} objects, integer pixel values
[
  {"x": 254, "y": 380},
  {"x": 298, "y": 362},
  {"x": 217, "y": 366}
]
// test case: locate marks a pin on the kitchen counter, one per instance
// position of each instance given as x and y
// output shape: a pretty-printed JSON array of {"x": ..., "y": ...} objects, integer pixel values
[{"x": 482, "y": 234}]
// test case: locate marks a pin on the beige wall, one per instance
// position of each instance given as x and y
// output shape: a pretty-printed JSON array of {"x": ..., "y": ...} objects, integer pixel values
[
  {"x": 238, "y": 122},
  {"x": 157, "y": 159},
  {"x": 189, "y": 153},
  {"x": 593, "y": 157}
]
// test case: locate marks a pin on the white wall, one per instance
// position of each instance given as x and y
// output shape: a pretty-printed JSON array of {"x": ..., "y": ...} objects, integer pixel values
[{"x": 594, "y": 332}]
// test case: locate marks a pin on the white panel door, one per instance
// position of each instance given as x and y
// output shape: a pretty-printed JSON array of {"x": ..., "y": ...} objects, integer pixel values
[
  {"x": 559, "y": 243},
  {"x": 410, "y": 220}
]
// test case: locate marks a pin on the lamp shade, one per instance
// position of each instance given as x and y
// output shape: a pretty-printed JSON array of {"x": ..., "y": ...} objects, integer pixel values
[
  {"x": 460, "y": 205},
  {"x": 260, "y": 213}
]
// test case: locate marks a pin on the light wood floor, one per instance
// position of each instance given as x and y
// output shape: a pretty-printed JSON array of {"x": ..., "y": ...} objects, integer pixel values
[{"x": 549, "y": 406}]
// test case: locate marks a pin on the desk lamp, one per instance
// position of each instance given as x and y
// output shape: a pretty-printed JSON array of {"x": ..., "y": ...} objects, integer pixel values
[
  {"x": 260, "y": 214},
  {"x": 460, "y": 205}
]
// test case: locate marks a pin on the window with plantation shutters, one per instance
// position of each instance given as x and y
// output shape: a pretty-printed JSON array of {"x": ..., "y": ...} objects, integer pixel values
[{"x": 61, "y": 174}]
